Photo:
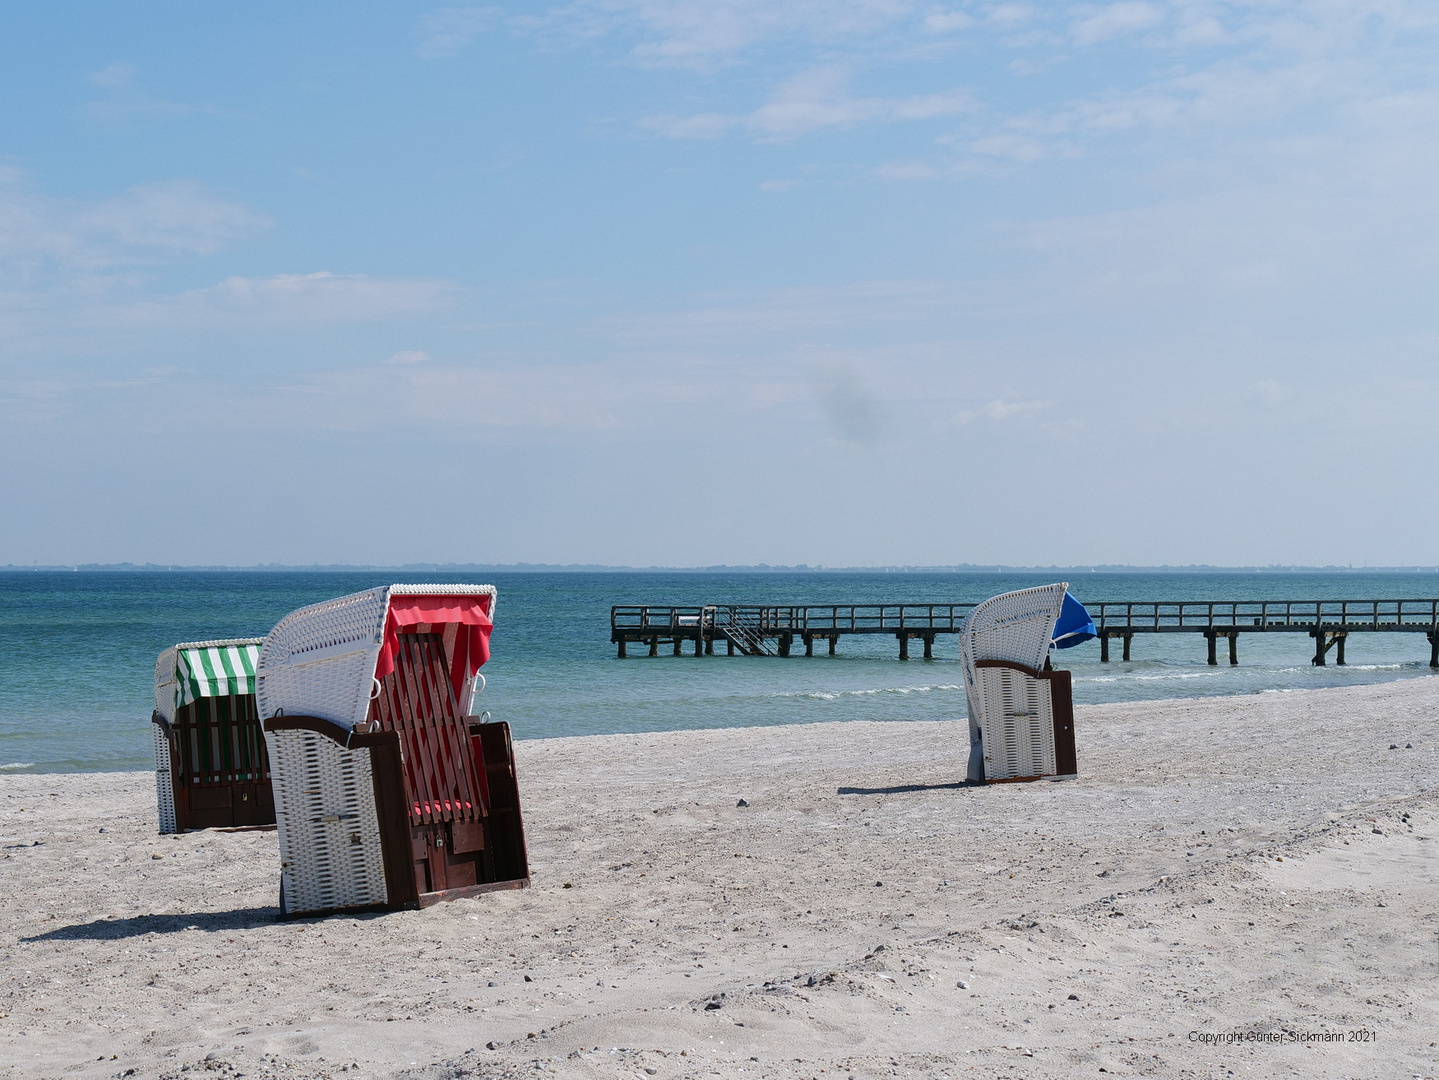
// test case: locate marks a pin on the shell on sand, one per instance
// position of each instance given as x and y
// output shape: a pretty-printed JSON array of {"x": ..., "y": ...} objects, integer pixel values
[{"x": 1260, "y": 870}]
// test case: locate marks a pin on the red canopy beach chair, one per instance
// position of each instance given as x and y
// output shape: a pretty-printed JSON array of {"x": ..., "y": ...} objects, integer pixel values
[
  {"x": 211, "y": 770},
  {"x": 389, "y": 793}
]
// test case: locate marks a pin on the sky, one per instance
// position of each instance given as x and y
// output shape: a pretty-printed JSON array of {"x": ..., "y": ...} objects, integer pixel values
[{"x": 689, "y": 282}]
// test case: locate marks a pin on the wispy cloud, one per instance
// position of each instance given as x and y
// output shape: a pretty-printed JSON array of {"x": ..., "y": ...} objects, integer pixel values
[
  {"x": 1000, "y": 411},
  {"x": 295, "y": 298},
  {"x": 149, "y": 223},
  {"x": 947, "y": 21},
  {"x": 810, "y": 101},
  {"x": 124, "y": 100},
  {"x": 1097, "y": 24},
  {"x": 703, "y": 33},
  {"x": 86, "y": 273},
  {"x": 448, "y": 31}
]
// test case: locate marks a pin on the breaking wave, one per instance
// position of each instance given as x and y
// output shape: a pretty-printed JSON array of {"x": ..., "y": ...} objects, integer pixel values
[{"x": 835, "y": 695}]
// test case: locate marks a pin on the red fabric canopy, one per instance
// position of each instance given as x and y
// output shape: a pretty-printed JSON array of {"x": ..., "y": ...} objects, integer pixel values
[{"x": 472, "y": 643}]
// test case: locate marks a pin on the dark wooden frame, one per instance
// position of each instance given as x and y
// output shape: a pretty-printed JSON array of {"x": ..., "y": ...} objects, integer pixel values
[
  {"x": 258, "y": 791},
  {"x": 504, "y": 834},
  {"x": 1061, "y": 702}
]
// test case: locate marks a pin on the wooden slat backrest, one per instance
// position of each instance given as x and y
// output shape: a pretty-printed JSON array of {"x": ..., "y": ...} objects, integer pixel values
[
  {"x": 220, "y": 741},
  {"x": 417, "y": 700}
]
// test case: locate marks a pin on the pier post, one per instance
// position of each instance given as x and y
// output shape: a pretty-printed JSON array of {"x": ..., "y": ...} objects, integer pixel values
[
  {"x": 1211, "y": 637},
  {"x": 833, "y": 639},
  {"x": 1234, "y": 649},
  {"x": 809, "y": 644},
  {"x": 785, "y": 641},
  {"x": 1320, "y": 647},
  {"x": 1339, "y": 640},
  {"x": 929, "y": 646},
  {"x": 1103, "y": 647},
  {"x": 679, "y": 645},
  {"x": 699, "y": 645},
  {"x": 1127, "y": 639},
  {"x": 903, "y": 646},
  {"x": 654, "y": 646},
  {"x": 710, "y": 645},
  {"x": 622, "y": 648},
  {"x": 1434, "y": 648},
  {"x": 729, "y": 645}
]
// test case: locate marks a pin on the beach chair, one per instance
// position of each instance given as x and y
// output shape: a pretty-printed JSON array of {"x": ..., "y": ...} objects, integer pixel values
[
  {"x": 1021, "y": 716},
  {"x": 389, "y": 793},
  {"x": 211, "y": 770}
]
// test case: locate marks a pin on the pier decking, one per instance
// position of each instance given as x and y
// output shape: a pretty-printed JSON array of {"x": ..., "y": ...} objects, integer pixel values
[{"x": 771, "y": 630}]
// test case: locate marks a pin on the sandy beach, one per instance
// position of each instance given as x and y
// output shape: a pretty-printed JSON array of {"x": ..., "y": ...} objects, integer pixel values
[{"x": 1263, "y": 869}]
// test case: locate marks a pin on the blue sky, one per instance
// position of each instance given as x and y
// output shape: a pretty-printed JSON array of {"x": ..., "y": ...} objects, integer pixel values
[{"x": 688, "y": 283}]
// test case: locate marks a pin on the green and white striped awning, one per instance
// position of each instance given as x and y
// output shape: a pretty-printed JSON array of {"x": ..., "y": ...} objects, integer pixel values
[{"x": 214, "y": 671}]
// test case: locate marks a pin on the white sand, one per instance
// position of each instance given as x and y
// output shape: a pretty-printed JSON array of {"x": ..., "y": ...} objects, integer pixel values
[{"x": 1095, "y": 923}]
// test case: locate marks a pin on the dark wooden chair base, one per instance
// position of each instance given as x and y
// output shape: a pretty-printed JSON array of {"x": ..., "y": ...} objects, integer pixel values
[
  {"x": 423, "y": 862},
  {"x": 1061, "y": 699},
  {"x": 219, "y": 771}
]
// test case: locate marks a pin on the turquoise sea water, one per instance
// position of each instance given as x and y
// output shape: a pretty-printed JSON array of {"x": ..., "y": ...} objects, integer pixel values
[{"x": 77, "y": 650}]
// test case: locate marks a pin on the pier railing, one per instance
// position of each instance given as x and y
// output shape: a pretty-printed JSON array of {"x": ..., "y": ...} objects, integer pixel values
[
  {"x": 1250, "y": 615},
  {"x": 796, "y": 619},
  {"x": 770, "y": 629}
]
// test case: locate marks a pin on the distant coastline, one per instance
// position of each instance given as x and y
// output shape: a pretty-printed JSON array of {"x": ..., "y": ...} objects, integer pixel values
[{"x": 760, "y": 568}]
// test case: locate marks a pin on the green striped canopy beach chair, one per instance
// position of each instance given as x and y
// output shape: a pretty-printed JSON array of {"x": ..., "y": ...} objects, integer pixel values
[{"x": 211, "y": 769}]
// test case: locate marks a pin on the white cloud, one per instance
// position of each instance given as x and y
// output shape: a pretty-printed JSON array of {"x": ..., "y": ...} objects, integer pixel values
[
  {"x": 999, "y": 411},
  {"x": 125, "y": 101},
  {"x": 947, "y": 22},
  {"x": 447, "y": 31},
  {"x": 408, "y": 356},
  {"x": 317, "y": 297},
  {"x": 80, "y": 278},
  {"x": 701, "y": 126},
  {"x": 1009, "y": 16},
  {"x": 703, "y": 33},
  {"x": 1012, "y": 147},
  {"x": 147, "y": 224},
  {"x": 458, "y": 399},
  {"x": 810, "y": 101},
  {"x": 115, "y": 76},
  {"x": 1115, "y": 20}
]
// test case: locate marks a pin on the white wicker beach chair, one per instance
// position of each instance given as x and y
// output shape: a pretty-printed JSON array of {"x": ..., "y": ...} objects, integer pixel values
[
  {"x": 1021, "y": 716},
  {"x": 210, "y": 764},
  {"x": 388, "y": 794}
]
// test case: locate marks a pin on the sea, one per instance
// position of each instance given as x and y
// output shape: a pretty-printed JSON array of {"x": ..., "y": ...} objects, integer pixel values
[{"x": 78, "y": 649}]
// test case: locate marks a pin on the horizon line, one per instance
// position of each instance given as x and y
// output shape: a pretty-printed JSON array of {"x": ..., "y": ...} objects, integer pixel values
[{"x": 754, "y": 568}]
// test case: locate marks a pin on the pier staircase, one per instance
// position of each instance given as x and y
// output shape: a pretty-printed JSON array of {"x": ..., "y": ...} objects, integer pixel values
[{"x": 744, "y": 629}]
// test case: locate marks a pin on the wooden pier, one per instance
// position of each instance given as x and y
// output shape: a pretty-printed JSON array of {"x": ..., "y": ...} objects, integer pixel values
[{"x": 763, "y": 630}]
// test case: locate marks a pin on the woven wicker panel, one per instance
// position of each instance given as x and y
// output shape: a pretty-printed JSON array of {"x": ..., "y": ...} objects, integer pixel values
[
  {"x": 1014, "y": 626},
  {"x": 320, "y": 660},
  {"x": 165, "y": 685},
  {"x": 1019, "y": 724},
  {"x": 329, "y": 835},
  {"x": 164, "y": 783}
]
